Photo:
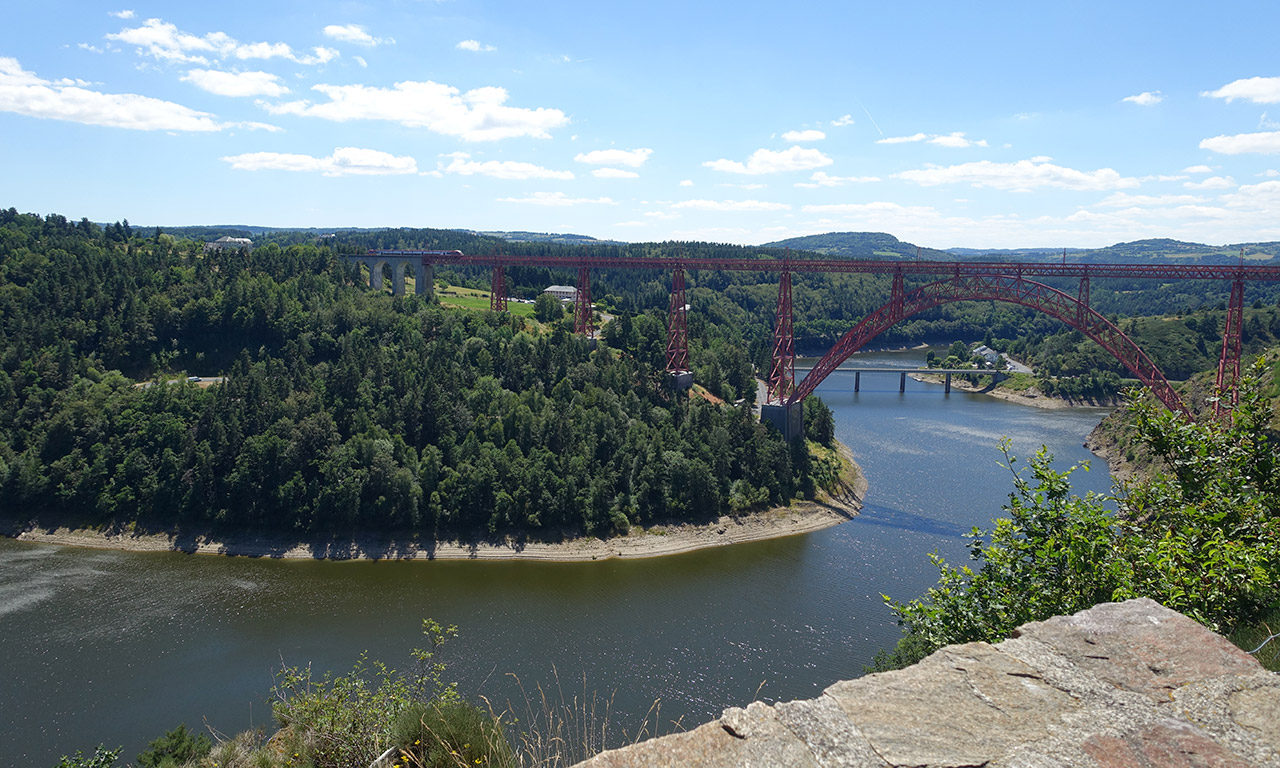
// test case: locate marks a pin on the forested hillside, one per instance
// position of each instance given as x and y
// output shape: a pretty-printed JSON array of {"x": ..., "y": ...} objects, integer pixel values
[{"x": 341, "y": 409}]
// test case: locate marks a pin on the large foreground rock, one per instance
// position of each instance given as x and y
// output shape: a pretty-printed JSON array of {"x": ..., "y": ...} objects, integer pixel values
[{"x": 1120, "y": 685}]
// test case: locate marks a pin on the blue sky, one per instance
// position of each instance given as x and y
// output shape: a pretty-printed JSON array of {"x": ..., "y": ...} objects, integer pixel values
[{"x": 946, "y": 124}]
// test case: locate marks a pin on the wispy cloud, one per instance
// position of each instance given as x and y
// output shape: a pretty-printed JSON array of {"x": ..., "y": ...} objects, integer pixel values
[
  {"x": 807, "y": 135},
  {"x": 475, "y": 46},
  {"x": 1264, "y": 143},
  {"x": 125, "y": 14},
  {"x": 345, "y": 161},
  {"x": 821, "y": 179},
  {"x": 476, "y": 115},
  {"x": 236, "y": 83},
  {"x": 462, "y": 164},
  {"x": 354, "y": 33},
  {"x": 632, "y": 158},
  {"x": 843, "y": 120},
  {"x": 165, "y": 42},
  {"x": 1021, "y": 175},
  {"x": 768, "y": 161},
  {"x": 1213, "y": 182},
  {"x": 955, "y": 139},
  {"x": 735, "y": 206},
  {"x": 24, "y": 93},
  {"x": 614, "y": 173},
  {"x": 1260, "y": 90},
  {"x": 1145, "y": 99},
  {"x": 557, "y": 199}
]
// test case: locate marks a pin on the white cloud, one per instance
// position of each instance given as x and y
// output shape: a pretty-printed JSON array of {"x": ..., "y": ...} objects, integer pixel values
[
  {"x": 614, "y": 173},
  {"x": 731, "y": 205},
  {"x": 1213, "y": 182},
  {"x": 809, "y": 135},
  {"x": 1266, "y": 143},
  {"x": 842, "y": 121},
  {"x": 767, "y": 161},
  {"x": 477, "y": 115},
  {"x": 557, "y": 199},
  {"x": 1197, "y": 169},
  {"x": 956, "y": 140},
  {"x": 89, "y": 48},
  {"x": 24, "y": 93},
  {"x": 821, "y": 179},
  {"x": 354, "y": 33},
  {"x": 125, "y": 14},
  {"x": 1021, "y": 175},
  {"x": 1126, "y": 200},
  {"x": 1145, "y": 99},
  {"x": 632, "y": 158},
  {"x": 236, "y": 83},
  {"x": 902, "y": 139},
  {"x": 165, "y": 42},
  {"x": 1259, "y": 90},
  {"x": 501, "y": 169},
  {"x": 686, "y": 182},
  {"x": 345, "y": 161},
  {"x": 475, "y": 46},
  {"x": 1270, "y": 173},
  {"x": 360, "y": 60}
]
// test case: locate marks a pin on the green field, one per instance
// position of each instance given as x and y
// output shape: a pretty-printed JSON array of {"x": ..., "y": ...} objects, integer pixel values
[{"x": 469, "y": 298}]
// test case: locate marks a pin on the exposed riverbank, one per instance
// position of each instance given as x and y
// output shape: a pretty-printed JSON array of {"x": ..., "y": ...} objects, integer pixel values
[
  {"x": 1030, "y": 396},
  {"x": 655, "y": 541}
]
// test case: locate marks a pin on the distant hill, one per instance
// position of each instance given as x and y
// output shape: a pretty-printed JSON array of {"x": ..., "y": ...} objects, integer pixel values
[
  {"x": 1136, "y": 251},
  {"x": 549, "y": 237},
  {"x": 859, "y": 245},
  {"x": 1021, "y": 253}
]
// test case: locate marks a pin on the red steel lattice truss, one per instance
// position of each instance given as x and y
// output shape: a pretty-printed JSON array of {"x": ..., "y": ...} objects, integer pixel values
[
  {"x": 1007, "y": 288},
  {"x": 1232, "y": 340},
  {"x": 582, "y": 309},
  {"x": 677, "y": 325},
  {"x": 782, "y": 378},
  {"x": 990, "y": 273},
  {"x": 498, "y": 290}
]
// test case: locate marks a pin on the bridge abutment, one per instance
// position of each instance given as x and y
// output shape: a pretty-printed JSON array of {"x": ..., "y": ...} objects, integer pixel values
[{"x": 786, "y": 418}]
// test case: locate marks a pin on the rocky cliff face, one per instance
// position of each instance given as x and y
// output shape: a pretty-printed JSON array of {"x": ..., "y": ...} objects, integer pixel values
[{"x": 1118, "y": 685}]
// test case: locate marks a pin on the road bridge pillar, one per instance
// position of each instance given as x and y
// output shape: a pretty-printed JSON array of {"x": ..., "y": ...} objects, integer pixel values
[
  {"x": 857, "y": 381},
  {"x": 902, "y": 382},
  {"x": 947, "y": 387}
]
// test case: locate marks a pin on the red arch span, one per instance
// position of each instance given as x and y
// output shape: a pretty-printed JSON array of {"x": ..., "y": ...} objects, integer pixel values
[{"x": 1008, "y": 288}]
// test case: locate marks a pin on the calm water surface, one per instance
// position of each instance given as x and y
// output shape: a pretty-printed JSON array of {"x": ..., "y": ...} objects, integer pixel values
[{"x": 117, "y": 647}]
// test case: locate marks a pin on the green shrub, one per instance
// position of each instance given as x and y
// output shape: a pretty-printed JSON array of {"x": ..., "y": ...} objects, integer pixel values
[
  {"x": 450, "y": 734},
  {"x": 174, "y": 749},
  {"x": 101, "y": 758}
]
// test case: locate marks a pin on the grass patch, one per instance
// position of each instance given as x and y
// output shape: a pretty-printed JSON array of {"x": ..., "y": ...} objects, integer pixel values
[
  {"x": 1018, "y": 382},
  {"x": 479, "y": 300}
]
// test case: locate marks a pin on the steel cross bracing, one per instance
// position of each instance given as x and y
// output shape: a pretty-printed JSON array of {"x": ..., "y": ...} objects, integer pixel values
[
  {"x": 1006, "y": 288},
  {"x": 1232, "y": 340},
  {"x": 782, "y": 377},
  {"x": 498, "y": 290},
  {"x": 582, "y": 308},
  {"x": 677, "y": 325}
]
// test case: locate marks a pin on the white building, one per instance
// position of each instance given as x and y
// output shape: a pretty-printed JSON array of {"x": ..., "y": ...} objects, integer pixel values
[
  {"x": 987, "y": 353},
  {"x": 562, "y": 292},
  {"x": 229, "y": 243}
]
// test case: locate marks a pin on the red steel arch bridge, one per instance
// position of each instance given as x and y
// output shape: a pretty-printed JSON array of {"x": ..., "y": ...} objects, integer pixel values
[{"x": 1011, "y": 282}]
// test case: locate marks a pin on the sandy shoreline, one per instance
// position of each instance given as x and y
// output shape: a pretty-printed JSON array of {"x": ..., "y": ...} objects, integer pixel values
[
  {"x": 656, "y": 541},
  {"x": 1032, "y": 397}
]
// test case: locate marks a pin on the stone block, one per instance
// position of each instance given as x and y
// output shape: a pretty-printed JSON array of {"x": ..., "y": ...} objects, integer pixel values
[
  {"x": 964, "y": 705},
  {"x": 1140, "y": 646}
]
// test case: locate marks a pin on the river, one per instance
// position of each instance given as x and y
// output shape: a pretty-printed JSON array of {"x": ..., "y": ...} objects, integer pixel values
[{"x": 116, "y": 647}]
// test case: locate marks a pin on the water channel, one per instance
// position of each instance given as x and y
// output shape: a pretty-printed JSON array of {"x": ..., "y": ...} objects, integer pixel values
[{"x": 114, "y": 647}]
